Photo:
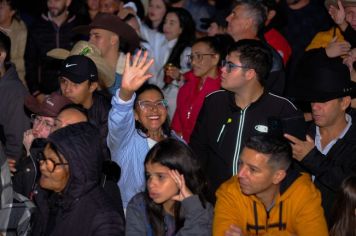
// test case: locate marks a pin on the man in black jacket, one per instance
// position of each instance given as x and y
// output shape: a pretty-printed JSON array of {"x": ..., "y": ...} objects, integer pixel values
[
  {"x": 79, "y": 82},
  {"x": 52, "y": 30},
  {"x": 246, "y": 21},
  {"x": 228, "y": 118},
  {"x": 329, "y": 151}
]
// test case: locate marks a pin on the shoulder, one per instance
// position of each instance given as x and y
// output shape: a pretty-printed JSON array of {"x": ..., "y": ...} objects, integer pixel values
[{"x": 279, "y": 100}]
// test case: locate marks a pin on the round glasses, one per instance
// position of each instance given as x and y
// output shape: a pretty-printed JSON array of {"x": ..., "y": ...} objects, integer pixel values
[
  {"x": 38, "y": 120},
  {"x": 50, "y": 164}
]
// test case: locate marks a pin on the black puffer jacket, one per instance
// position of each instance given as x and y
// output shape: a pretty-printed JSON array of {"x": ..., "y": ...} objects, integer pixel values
[{"x": 82, "y": 208}]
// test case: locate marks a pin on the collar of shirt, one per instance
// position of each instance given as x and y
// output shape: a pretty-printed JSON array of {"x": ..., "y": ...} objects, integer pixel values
[{"x": 332, "y": 142}]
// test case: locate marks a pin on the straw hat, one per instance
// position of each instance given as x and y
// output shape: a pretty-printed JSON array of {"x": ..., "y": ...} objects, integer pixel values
[{"x": 106, "y": 73}]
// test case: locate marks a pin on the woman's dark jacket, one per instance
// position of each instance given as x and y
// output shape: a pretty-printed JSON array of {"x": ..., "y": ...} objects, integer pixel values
[{"x": 82, "y": 208}]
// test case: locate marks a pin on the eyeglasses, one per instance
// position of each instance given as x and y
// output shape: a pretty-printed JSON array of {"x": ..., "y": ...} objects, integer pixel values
[
  {"x": 148, "y": 105},
  {"x": 198, "y": 56},
  {"x": 35, "y": 119},
  {"x": 50, "y": 164},
  {"x": 229, "y": 66}
]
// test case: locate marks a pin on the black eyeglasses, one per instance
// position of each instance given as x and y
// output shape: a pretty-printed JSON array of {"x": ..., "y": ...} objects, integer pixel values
[
  {"x": 50, "y": 164},
  {"x": 229, "y": 66}
]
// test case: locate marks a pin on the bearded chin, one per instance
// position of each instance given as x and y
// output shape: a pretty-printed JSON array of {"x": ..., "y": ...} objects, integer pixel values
[{"x": 59, "y": 12}]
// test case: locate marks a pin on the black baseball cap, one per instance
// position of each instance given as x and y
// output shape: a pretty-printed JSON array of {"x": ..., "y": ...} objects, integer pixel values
[{"x": 79, "y": 68}]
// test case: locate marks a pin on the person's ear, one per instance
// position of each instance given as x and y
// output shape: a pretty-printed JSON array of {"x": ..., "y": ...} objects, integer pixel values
[
  {"x": 93, "y": 86},
  {"x": 278, "y": 176},
  {"x": 114, "y": 39},
  {"x": 345, "y": 103},
  {"x": 250, "y": 74},
  {"x": 270, "y": 15}
]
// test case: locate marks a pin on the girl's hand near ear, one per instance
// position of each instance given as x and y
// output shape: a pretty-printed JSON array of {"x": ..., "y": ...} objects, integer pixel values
[
  {"x": 184, "y": 192},
  {"x": 135, "y": 74}
]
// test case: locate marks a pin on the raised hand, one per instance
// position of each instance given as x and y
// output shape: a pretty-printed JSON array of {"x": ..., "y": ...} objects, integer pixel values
[
  {"x": 338, "y": 15},
  {"x": 134, "y": 74},
  {"x": 184, "y": 192}
]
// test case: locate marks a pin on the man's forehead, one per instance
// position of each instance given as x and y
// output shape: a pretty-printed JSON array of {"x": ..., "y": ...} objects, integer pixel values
[
  {"x": 101, "y": 31},
  {"x": 233, "y": 57}
]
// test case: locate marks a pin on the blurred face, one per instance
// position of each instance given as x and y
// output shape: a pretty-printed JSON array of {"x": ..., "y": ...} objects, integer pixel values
[
  {"x": 236, "y": 78},
  {"x": 68, "y": 117},
  {"x": 351, "y": 16},
  {"x": 54, "y": 173},
  {"x": 328, "y": 113},
  {"x": 171, "y": 27},
  {"x": 109, "y": 6},
  {"x": 153, "y": 115},
  {"x": 104, "y": 40},
  {"x": 93, "y": 5},
  {"x": 160, "y": 185},
  {"x": 156, "y": 10},
  {"x": 6, "y": 13},
  {"x": 78, "y": 93},
  {"x": 214, "y": 29},
  {"x": 57, "y": 7},
  {"x": 255, "y": 175},
  {"x": 204, "y": 60},
  {"x": 237, "y": 22},
  {"x": 42, "y": 126}
]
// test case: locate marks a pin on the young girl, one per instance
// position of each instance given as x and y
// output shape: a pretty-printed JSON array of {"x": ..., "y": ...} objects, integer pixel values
[
  {"x": 344, "y": 223},
  {"x": 137, "y": 121},
  {"x": 204, "y": 78},
  {"x": 173, "y": 203},
  {"x": 170, "y": 48}
]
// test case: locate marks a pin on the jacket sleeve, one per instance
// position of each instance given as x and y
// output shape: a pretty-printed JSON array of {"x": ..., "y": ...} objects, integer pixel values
[
  {"x": 15, "y": 124},
  {"x": 198, "y": 220},
  {"x": 199, "y": 138},
  {"x": 226, "y": 212},
  {"x": 121, "y": 124},
  {"x": 309, "y": 219},
  {"x": 325, "y": 169},
  {"x": 108, "y": 224},
  {"x": 32, "y": 63},
  {"x": 135, "y": 219}
]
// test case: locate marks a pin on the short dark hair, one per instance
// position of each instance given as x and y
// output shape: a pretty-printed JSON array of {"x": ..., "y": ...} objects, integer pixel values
[
  {"x": 254, "y": 54},
  {"x": 278, "y": 150},
  {"x": 256, "y": 10},
  {"x": 5, "y": 45}
]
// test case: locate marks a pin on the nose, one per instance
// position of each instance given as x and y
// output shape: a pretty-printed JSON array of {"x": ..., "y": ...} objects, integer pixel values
[
  {"x": 151, "y": 183},
  {"x": 315, "y": 105},
  {"x": 228, "y": 18},
  {"x": 241, "y": 172}
]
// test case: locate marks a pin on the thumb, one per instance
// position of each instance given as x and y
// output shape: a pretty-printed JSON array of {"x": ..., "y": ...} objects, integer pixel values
[
  {"x": 309, "y": 139},
  {"x": 334, "y": 39}
]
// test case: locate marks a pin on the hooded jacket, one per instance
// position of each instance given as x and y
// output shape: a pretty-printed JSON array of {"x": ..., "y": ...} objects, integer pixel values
[
  {"x": 297, "y": 209},
  {"x": 82, "y": 208}
]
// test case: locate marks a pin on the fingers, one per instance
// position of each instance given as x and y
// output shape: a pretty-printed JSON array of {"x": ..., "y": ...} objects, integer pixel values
[
  {"x": 292, "y": 138},
  {"x": 127, "y": 61}
]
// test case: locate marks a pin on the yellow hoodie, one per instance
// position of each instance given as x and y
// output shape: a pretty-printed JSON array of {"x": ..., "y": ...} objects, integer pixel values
[{"x": 297, "y": 211}]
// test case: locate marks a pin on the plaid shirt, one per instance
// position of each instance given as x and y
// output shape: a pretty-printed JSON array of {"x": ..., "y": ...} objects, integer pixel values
[{"x": 15, "y": 210}]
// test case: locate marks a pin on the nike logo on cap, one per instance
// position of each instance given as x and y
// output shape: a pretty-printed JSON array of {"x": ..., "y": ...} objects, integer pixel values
[{"x": 70, "y": 65}]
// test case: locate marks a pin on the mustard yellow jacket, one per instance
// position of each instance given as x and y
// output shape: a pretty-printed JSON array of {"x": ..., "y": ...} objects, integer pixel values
[{"x": 297, "y": 210}]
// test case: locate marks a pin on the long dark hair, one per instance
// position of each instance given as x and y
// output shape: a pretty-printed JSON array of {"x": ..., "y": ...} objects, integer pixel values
[
  {"x": 344, "y": 215},
  {"x": 140, "y": 128},
  {"x": 186, "y": 38},
  {"x": 178, "y": 156},
  {"x": 149, "y": 23}
]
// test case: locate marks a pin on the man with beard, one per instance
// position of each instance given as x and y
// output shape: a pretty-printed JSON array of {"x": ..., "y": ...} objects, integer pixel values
[{"x": 52, "y": 30}]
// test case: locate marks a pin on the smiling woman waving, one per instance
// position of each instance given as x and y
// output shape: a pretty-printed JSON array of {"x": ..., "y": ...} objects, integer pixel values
[{"x": 137, "y": 121}]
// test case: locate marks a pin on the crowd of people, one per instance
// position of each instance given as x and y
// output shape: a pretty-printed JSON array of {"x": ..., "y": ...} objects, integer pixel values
[{"x": 178, "y": 117}]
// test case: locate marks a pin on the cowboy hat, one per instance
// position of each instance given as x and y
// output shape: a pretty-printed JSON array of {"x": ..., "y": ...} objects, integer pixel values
[
  {"x": 106, "y": 73},
  {"x": 114, "y": 24},
  {"x": 320, "y": 78}
]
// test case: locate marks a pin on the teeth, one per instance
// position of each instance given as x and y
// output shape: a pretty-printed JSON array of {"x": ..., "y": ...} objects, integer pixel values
[{"x": 153, "y": 117}]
